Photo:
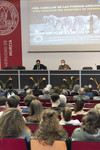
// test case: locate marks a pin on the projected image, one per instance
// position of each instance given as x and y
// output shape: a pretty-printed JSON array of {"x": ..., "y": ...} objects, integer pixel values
[
  {"x": 64, "y": 25},
  {"x": 55, "y": 28}
]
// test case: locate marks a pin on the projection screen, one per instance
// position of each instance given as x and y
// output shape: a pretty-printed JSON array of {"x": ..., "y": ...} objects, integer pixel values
[{"x": 64, "y": 25}]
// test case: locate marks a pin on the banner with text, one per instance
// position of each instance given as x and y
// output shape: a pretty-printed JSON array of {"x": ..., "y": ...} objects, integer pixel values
[{"x": 10, "y": 34}]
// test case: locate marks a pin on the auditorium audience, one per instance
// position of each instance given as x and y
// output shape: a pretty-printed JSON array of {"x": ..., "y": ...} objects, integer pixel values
[
  {"x": 63, "y": 101},
  {"x": 10, "y": 91},
  {"x": 97, "y": 107},
  {"x": 36, "y": 109},
  {"x": 46, "y": 94},
  {"x": 12, "y": 124},
  {"x": 90, "y": 129},
  {"x": 75, "y": 90},
  {"x": 90, "y": 91},
  {"x": 13, "y": 101},
  {"x": 49, "y": 86},
  {"x": 63, "y": 66},
  {"x": 49, "y": 129},
  {"x": 55, "y": 100},
  {"x": 36, "y": 90},
  {"x": 56, "y": 89},
  {"x": 2, "y": 93},
  {"x": 97, "y": 97},
  {"x": 78, "y": 107},
  {"x": 66, "y": 117},
  {"x": 81, "y": 95},
  {"x": 3, "y": 103},
  {"x": 28, "y": 99},
  {"x": 64, "y": 90},
  {"x": 23, "y": 94}
]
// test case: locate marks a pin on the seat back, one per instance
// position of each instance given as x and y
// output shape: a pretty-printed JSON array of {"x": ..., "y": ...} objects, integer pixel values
[
  {"x": 57, "y": 145},
  {"x": 7, "y": 68},
  {"x": 70, "y": 128},
  {"x": 85, "y": 145},
  {"x": 32, "y": 126},
  {"x": 78, "y": 116},
  {"x": 13, "y": 144},
  {"x": 87, "y": 68}
]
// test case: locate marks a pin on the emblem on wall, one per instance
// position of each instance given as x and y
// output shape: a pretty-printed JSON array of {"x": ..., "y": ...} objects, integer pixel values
[{"x": 9, "y": 18}]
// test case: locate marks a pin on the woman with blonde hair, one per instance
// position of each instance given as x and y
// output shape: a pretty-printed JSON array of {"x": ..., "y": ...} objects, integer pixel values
[
  {"x": 36, "y": 109},
  {"x": 49, "y": 129},
  {"x": 12, "y": 124}
]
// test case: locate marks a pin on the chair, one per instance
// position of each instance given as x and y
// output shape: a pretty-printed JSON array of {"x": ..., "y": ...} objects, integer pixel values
[
  {"x": 7, "y": 68},
  {"x": 32, "y": 126},
  {"x": 13, "y": 144},
  {"x": 57, "y": 145},
  {"x": 78, "y": 116},
  {"x": 85, "y": 145},
  {"x": 70, "y": 128},
  {"x": 89, "y": 105},
  {"x": 19, "y": 67},
  {"x": 87, "y": 68},
  {"x": 98, "y": 67}
]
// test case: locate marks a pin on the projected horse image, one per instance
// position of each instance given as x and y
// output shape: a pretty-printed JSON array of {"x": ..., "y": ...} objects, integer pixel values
[{"x": 53, "y": 27}]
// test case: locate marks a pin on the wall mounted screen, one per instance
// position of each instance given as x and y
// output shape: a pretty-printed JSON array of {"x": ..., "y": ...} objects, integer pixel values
[{"x": 64, "y": 25}]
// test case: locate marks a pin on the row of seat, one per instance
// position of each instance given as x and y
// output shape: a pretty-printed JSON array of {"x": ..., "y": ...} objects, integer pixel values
[{"x": 74, "y": 144}]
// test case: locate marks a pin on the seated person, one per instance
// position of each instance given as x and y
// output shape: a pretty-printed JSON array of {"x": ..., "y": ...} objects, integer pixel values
[
  {"x": 46, "y": 94},
  {"x": 36, "y": 90},
  {"x": 12, "y": 124},
  {"x": 63, "y": 101},
  {"x": 63, "y": 66},
  {"x": 78, "y": 107},
  {"x": 82, "y": 95},
  {"x": 36, "y": 109},
  {"x": 49, "y": 129},
  {"x": 28, "y": 99},
  {"x": 2, "y": 93},
  {"x": 11, "y": 91},
  {"x": 3, "y": 103},
  {"x": 23, "y": 94},
  {"x": 90, "y": 128},
  {"x": 66, "y": 116},
  {"x": 97, "y": 97},
  {"x": 90, "y": 91},
  {"x": 39, "y": 66},
  {"x": 55, "y": 101},
  {"x": 75, "y": 90}
]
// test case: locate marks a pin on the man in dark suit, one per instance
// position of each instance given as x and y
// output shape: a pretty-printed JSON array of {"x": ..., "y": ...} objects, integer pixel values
[{"x": 39, "y": 66}]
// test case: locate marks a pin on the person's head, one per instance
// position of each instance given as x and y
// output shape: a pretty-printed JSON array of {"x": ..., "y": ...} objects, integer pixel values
[
  {"x": 90, "y": 88},
  {"x": 13, "y": 101},
  {"x": 36, "y": 108},
  {"x": 66, "y": 114},
  {"x": 91, "y": 122},
  {"x": 38, "y": 62},
  {"x": 76, "y": 88},
  {"x": 62, "y": 62},
  {"x": 28, "y": 99},
  {"x": 86, "y": 88},
  {"x": 3, "y": 100},
  {"x": 46, "y": 91},
  {"x": 63, "y": 86},
  {"x": 79, "y": 104},
  {"x": 98, "y": 92},
  {"x": 81, "y": 91},
  {"x": 49, "y": 128},
  {"x": 49, "y": 86},
  {"x": 55, "y": 99},
  {"x": 11, "y": 86},
  {"x": 63, "y": 98},
  {"x": 56, "y": 89},
  {"x": 12, "y": 123},
  {"x": 26, "y": 87},
  {"x": 97, "y": 107},
  {"x": 29, "y": 91}
]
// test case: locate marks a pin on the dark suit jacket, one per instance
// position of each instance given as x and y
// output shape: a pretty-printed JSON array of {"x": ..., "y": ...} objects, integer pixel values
[{"x": 41, "y": 67}]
